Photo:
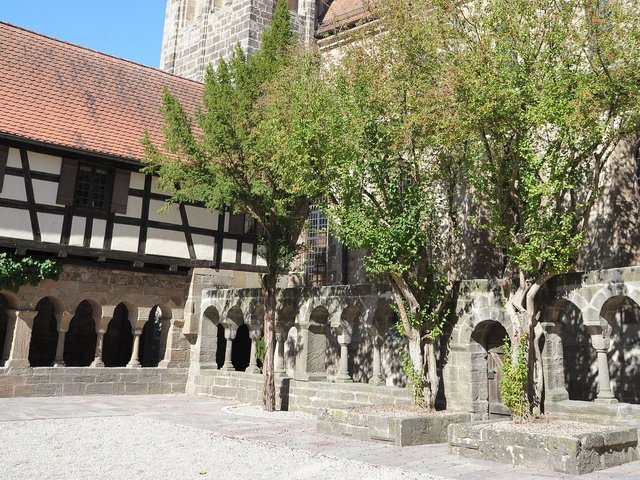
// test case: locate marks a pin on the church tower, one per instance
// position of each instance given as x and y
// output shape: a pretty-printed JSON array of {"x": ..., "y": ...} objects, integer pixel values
[{"x": 199, "y": 32}]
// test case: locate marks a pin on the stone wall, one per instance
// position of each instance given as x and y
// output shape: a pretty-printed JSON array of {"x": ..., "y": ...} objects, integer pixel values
[{"x": 47, "y": 382}]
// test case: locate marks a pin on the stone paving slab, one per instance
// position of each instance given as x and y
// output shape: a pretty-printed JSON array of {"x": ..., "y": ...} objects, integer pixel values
[{"x": 292, "y": 429}]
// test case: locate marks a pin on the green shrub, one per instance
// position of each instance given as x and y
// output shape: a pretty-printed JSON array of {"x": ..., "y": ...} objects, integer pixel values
[
  {"x": 515, "y": 377},
  {"x": 15, "y": 272},
  {"x": 415, "y": 380}
]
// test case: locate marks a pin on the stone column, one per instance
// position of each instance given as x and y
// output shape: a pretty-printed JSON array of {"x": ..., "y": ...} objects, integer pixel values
[
  {"x": 253, "y": 361},
  {"x": 278, "y": 362},
  {"x": 600, "y": 340},
  {"x": 229, "y": 334},
  {"x": 344, "y": 339},
  {"x": 18, "y": 337},
  {"x": 376, "y": 377},
  {"x": 63, "y": 327},
  {"x": 135, "y": 362},
  {"x": 553, "y": 364}
]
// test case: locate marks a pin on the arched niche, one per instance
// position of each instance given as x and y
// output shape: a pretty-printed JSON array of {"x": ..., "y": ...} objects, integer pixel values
[
  {"x": 210, "y": 338},
  {"x": 623, "y": 315},
  {"x": 80, "y": 339},
  {"x": 118, "y": 339},
  {"x": 44, "y": 334},
  {"x": 151, "y": 339},
  {"x": 241, "y": 349}
]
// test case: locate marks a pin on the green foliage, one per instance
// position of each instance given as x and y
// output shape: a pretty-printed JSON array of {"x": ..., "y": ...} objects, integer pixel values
[
  {"x": 15, "y": 272},
  {"x": 415, "y": 379},
  {"x": 261, "y": 349},
  {"x": 515, "y": 379}
]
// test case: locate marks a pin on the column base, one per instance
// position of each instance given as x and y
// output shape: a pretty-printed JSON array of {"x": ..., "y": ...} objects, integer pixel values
[
  {"x": 606, "y": 400},
  {"x": 209, "y": 366},
  {"x": 253, "y": 369},
  {"x": 227, "y": 368},
  {"x": 280, "y": 373},
  {"x": 97, "y": 362},
  {"x": 164, "y": 363},
  {"x": 310, "y": 377},
  {"x": 59, "y": 363},
  {"x": 135, "y": 364},
  {"x": 343, "y": 379},
  {"x": 17, "y": 363},
  {"x": 376, "y": 381}
]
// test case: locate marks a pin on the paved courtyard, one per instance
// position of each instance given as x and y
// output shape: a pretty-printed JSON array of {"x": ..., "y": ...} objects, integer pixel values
[{"x": 185, "y": 437}]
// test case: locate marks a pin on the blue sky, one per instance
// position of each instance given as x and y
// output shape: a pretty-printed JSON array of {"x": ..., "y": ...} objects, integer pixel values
[{"x": 130, "y": 29}]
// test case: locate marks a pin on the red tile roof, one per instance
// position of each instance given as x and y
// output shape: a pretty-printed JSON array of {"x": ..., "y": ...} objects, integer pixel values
[
  {"x": 66, "y": 95},
  {"x": 342, "y": 13}
]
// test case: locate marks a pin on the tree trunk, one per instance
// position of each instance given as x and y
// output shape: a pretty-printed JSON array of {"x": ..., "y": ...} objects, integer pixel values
[
  {"x": 269, "y": 387},
  {"x": 432, "y": 382}
]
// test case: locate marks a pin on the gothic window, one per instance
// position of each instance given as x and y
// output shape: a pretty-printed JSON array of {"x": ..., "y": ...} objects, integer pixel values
[{"x": 317, "y": 248}]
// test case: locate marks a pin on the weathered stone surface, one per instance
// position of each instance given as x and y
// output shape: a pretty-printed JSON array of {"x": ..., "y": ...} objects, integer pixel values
[
  {"x": 401, "y": 431},
  {"x": 562, "y": 452}
]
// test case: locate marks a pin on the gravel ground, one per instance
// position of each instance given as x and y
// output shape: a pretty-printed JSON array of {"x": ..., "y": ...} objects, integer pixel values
[
  {"x": 131, "y": 447},
  {"x": 555, "y": 426}
]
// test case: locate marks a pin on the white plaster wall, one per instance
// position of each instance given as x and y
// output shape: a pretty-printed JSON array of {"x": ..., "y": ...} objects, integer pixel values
[
  {"x": 97, "y": 233},
  {"x": 172, "y": 214},
  {"x": 50, "y": 226},
  {"x": 13, "y": 188},
  {"x": 167, "y": 243},
  {"x": 229, "y": 250},
  {"x": 77, "y": 231},
  {"x": 260, "y": 257},
  {"x": 16, "y": 223},
  {"x": 137, "y": 181},
  {"x": 204, "y": 247},
  {"x": 13, "y": 160},
  {"x": 247, "y": 253},
  {"x": 201, "y": 217},
  {"x": 125, "y": 238},
  {"x": 40, "y": 162},
  {"x": 45, "y": 192},
  {"x": 134, "y": 208}
]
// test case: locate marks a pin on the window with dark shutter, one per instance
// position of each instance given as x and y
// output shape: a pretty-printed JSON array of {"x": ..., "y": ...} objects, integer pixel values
[
  {"x": 4, "y": 154},
  {"x": 236, "y": 223},
  {"x": 120, "y": 193},
  {"x": 67, "y": 184}
]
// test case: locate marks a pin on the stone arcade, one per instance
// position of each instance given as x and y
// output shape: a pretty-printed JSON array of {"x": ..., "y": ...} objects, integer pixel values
[{"x": 151, "y": 303}]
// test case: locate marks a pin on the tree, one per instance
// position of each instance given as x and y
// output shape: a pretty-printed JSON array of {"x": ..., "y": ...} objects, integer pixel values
[
  {"x": 396, "y": 188},
  {"x": 15, "y": 272},
  {"x": 542, "y": 92},
  {"x": 243, "y": 151}
]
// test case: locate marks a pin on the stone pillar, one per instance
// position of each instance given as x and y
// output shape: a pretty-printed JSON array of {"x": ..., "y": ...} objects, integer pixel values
[
  {"x": 553, "y": 363},
  {"x": 63, "y": 327},
  {"x": 229, "y": 333},
  {"x": 278, "y": 362},
  {"x": 18, "y": 337},
  {"x": 253, "y": 361},
  {"x": 600, "y": 339},
  {"x": 135, "y": 362},
  {"x": 166, "y": 342},
  {"x": 376, "y": 377},
  {"x": 344, "y": 339}
]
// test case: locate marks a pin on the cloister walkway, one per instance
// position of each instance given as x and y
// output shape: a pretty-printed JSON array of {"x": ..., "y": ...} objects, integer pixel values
[{"x": 252, "y": 427}]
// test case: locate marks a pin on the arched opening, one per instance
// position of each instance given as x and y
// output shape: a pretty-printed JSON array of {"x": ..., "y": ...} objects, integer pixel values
[
  {"x": 222, "y": 346},
  {"x": 241, "y": 349},
  {"x": 151, "y": 351},
  {"x": 118, "y": 339},
  {"x": 578, "y": 355},
  {"x": 4, "y": 323},
  {"x": 209, "y": 338},
  {"x": 623, "y": 314},
  {"x": 44, "y": 335},
  {"x": 319, "y": 347},
  {"x": 80, "y": 339},
  {"x": 393, "y": 344},
  {"x": 487, "y": 358}
]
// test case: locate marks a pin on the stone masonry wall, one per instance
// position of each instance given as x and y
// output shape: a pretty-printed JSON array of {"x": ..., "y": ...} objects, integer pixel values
[{"x": 48, "y": 382}]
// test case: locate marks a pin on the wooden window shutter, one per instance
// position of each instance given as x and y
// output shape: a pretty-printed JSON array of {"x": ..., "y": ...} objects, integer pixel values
[
  {"x": 4, "y": 154},
  {"x": 67, "y": 184},
  {"x": 120, "y": 191},
  {"x": 236, "y": 223}
]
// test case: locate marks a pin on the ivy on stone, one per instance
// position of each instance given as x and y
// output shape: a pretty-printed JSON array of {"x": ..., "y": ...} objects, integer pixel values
[{"x": 16, "y": 272}]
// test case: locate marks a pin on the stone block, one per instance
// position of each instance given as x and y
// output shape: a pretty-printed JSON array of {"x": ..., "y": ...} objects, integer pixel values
[
  {"x": 100, "y": 389},
  {"x": 36, "y": 390},
  {"x": 73, "y": 388},
  {"x": 135, "y": 388},
  {"x": 7, "y": 391}
]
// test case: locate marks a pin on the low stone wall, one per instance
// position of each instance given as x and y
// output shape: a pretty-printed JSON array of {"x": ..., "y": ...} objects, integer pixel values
[
  {"x": 291, "y": 394},
  {"x": 50, "y": 381},
  {"x": 557, "y": 449},
  {"x": 405, "y": 430}
]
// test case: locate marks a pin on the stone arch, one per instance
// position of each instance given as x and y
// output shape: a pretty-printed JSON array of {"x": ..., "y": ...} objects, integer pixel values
[
  {"x": 285, "y": 320},
  {"x": 154, "y": 334},
  {"x": 210, "y": 340},
  {"x": 81, "y": 336},
  {"x": 486, "y": 358},
  {"x": 570, "y": 341},
  {"x": 359, "y": 362},
  {"x": 44, "y": 332},
  {"x": 622, "y": 314},
  {"x": 391, "y": 344},
  {"x": 118, "y": 339},
  {"x": 241, "y": 349},
  {"x": 322, "y": 352}
]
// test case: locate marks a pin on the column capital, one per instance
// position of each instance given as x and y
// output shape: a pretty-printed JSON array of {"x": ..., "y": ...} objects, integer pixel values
[
  {"x": 24, "y": 314},
  {"x": 255, "y": 334},
  {"x": 230, "y": 331}
]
